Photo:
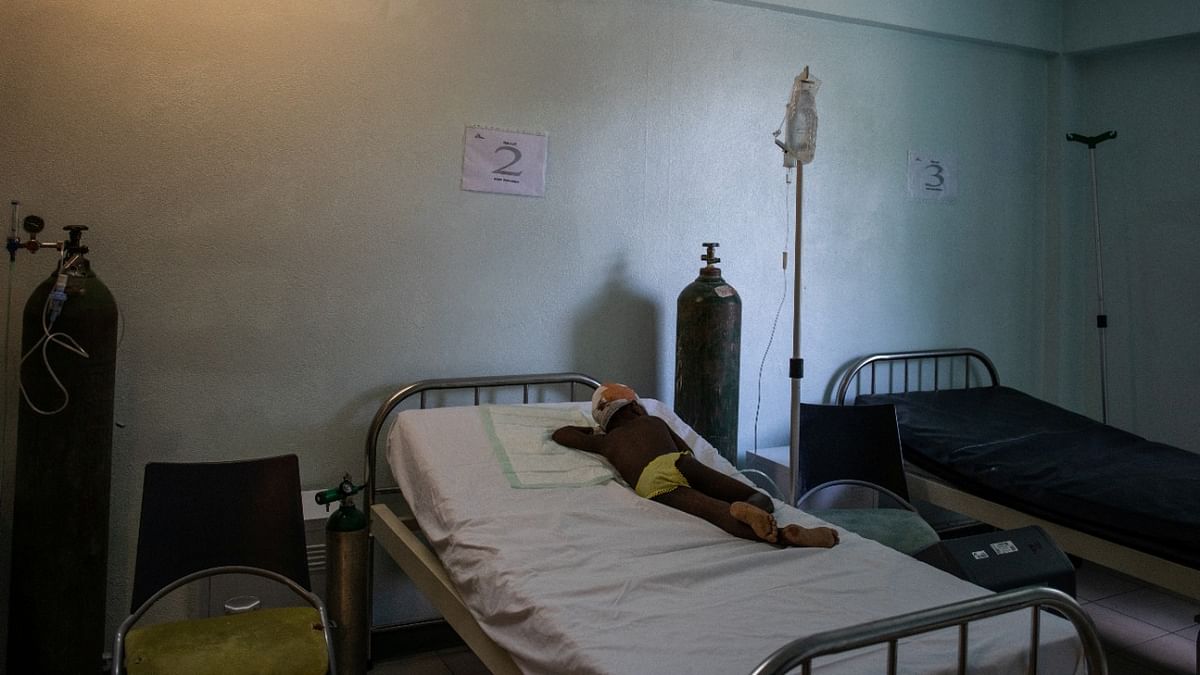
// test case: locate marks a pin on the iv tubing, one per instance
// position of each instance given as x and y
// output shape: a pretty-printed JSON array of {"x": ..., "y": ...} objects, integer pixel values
[
  {"x": 63, "y": 340},
  {"x": 787, "y": 202}
]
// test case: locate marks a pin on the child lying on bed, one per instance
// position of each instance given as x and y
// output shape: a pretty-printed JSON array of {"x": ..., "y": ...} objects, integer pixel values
[{"x": 654, "y": 459}]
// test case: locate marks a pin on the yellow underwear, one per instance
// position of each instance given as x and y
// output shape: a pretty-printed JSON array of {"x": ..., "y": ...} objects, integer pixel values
[{"x": 660, "y": 476}]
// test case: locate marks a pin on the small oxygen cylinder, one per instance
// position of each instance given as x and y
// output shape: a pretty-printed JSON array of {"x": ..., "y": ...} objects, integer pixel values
[
  {"x": 61, "y": 492},
  {"x": 346, "y": 584},
  {"x": 708, "y": 357}
]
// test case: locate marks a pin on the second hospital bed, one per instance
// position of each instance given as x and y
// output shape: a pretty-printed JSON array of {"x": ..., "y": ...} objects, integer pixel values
[
  {"x": 586, "y": 577},
  {"x": 1008, "y": 459}
]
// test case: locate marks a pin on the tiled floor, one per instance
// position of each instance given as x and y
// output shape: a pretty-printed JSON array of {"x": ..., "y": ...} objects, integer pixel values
[
  {"x": 444, "y": 662},
  {"x": 1145, "y": 631}
]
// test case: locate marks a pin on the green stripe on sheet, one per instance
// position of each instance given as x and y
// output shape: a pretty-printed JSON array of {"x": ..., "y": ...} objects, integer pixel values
[{"x": 520, "y": 437}]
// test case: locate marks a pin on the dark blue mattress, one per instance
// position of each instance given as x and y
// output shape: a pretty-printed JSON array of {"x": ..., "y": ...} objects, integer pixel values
[{"x": 1022, "y": 452}]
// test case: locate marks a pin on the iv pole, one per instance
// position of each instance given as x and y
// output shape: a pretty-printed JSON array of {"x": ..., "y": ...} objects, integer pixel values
[
  {"x": 796, "y": 364},
  {"x": 1101, "y": 317},
  {"x": 800, "y": 123}
]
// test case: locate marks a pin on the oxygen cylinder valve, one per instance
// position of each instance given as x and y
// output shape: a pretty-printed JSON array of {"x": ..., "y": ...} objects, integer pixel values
[
  {"x": 74, "y": 235},
  {"x": 343, "y": 492},
  {"x": 710, "y": 257}
]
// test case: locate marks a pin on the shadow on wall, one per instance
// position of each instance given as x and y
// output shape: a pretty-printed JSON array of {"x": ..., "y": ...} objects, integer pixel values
[{"x": 616, "y": 336}]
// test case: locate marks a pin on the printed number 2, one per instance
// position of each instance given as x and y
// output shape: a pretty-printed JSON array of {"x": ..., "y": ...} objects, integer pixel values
[
  {"x": 503, "y": 171},
  {"x": 937, "y": 172}
]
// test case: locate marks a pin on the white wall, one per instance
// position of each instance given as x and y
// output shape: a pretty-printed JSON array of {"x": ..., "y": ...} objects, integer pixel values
[
  {"x": 274, "y": 194},
  {"x": 1097, "y": 25},
  {"x": 1150, "y": 220},
  {"x": 1027, "y": 24}
]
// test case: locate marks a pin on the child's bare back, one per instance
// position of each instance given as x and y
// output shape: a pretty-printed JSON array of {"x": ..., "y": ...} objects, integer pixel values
[{"x": 656, "y": 462}]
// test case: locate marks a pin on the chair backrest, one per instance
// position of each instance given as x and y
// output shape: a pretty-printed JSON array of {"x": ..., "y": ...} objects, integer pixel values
[
  {"x": 848, "y": 493},
  {"x": 860, "y": 442},
  {"x": 201, "y": 515}
]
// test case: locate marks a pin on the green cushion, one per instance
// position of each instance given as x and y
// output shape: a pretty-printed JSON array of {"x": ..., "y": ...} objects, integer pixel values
[
  {"x": 284, "y": 641},
  {"x": 900, "y": 529}
]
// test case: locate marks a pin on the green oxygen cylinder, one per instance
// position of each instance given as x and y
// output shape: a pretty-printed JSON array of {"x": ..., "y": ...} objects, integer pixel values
[
  {"x": 346, "y": 585},
  {"x": 61, "y": 486},
  {"x": 708, "y": 339}
]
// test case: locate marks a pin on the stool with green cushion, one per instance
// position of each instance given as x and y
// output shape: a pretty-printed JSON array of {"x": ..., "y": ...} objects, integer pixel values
[
  {"x": 277, "y": 641},
  {"x": 203, "y": 520},
  {"x": 851, "y": 474}
]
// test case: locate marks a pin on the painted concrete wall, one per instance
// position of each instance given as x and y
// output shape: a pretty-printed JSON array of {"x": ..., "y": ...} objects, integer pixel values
[
  {"x": 1029, "y": 24},
  {"x": 1094, "y": 25},
  {"x": 1150, "y": 223},
  {"x": 274, "y": 194}
]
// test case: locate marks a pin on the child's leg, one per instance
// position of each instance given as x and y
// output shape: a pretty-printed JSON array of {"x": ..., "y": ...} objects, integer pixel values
[
  {"x": 719, "y": 486},
  {"x": 743, "y": 502},
  {"x": 739, "y": 519}
]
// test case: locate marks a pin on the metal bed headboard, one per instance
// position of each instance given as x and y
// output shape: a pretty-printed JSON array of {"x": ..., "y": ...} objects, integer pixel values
[
  {"x": 423, "y": 387},
  {"x": 942, "y": 361}
]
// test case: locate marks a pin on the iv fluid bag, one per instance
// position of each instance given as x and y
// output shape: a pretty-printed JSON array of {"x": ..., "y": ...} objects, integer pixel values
[{"x": 801, "y": 123}]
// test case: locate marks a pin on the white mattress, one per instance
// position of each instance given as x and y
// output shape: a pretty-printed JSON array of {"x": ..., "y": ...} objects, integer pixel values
[{"x": 598, "y": 580}]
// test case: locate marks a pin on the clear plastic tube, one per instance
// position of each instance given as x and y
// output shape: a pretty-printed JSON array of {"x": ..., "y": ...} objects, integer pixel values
[{"x": 61, "y": 339}]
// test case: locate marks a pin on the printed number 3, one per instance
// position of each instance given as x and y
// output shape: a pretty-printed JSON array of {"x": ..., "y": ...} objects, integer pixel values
[
  {"x": 937, "y": 172},
  {"x": 503, "y": 171}
]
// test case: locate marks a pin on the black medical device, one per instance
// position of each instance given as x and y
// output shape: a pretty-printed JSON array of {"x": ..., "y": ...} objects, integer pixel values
[{"x": 1005, "y": 559}]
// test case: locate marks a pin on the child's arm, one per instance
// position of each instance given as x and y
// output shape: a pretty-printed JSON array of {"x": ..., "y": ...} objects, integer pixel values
[
  {"x": 580, "y": 438},
  {"x": 680, "y": 445}
]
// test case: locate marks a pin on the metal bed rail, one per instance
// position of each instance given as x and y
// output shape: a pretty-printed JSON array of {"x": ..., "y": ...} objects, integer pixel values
[
  {"x": 942, "y": 360},
  {"x": 801, "y": 652}
]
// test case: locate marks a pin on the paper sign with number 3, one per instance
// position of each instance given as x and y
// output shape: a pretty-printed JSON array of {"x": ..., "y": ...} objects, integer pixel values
[{"x": 932, "y": 175}]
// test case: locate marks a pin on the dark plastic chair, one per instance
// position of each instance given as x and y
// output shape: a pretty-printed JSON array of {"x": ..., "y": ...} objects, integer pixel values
[
  {"x": 851, "y": 473},
  {"x": 204, "y": 519},
  {"x": 859, "y": 442}
]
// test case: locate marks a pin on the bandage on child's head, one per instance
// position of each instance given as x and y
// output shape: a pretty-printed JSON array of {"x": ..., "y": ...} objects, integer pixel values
[{"x": 608, "y": 399}]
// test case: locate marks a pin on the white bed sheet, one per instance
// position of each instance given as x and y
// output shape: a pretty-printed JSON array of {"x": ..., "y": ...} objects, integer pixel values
[{"x": 598, "y": 580}]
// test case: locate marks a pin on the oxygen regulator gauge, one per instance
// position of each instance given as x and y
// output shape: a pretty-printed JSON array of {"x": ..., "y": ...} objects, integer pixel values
[{"x": 33, "y": 224}]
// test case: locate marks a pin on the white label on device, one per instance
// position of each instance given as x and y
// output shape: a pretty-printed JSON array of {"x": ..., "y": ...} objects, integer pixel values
[{"x": 1002, "y": 547}]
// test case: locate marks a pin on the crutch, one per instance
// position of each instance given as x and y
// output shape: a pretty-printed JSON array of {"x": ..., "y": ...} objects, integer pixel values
[{"x": 1101, "y": 317}]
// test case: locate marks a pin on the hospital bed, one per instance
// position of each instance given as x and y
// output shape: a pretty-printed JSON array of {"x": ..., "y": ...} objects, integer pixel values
[
  {"x": 595, "y": 579},
  {"x": 1008, "y": 459}
]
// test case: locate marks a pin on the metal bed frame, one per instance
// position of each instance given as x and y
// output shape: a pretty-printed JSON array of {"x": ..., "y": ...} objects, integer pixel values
[
  {"x": 963, "y": 368},
  {"x": 425, "y": 570},
  {"x": 398, "y": 536}
]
